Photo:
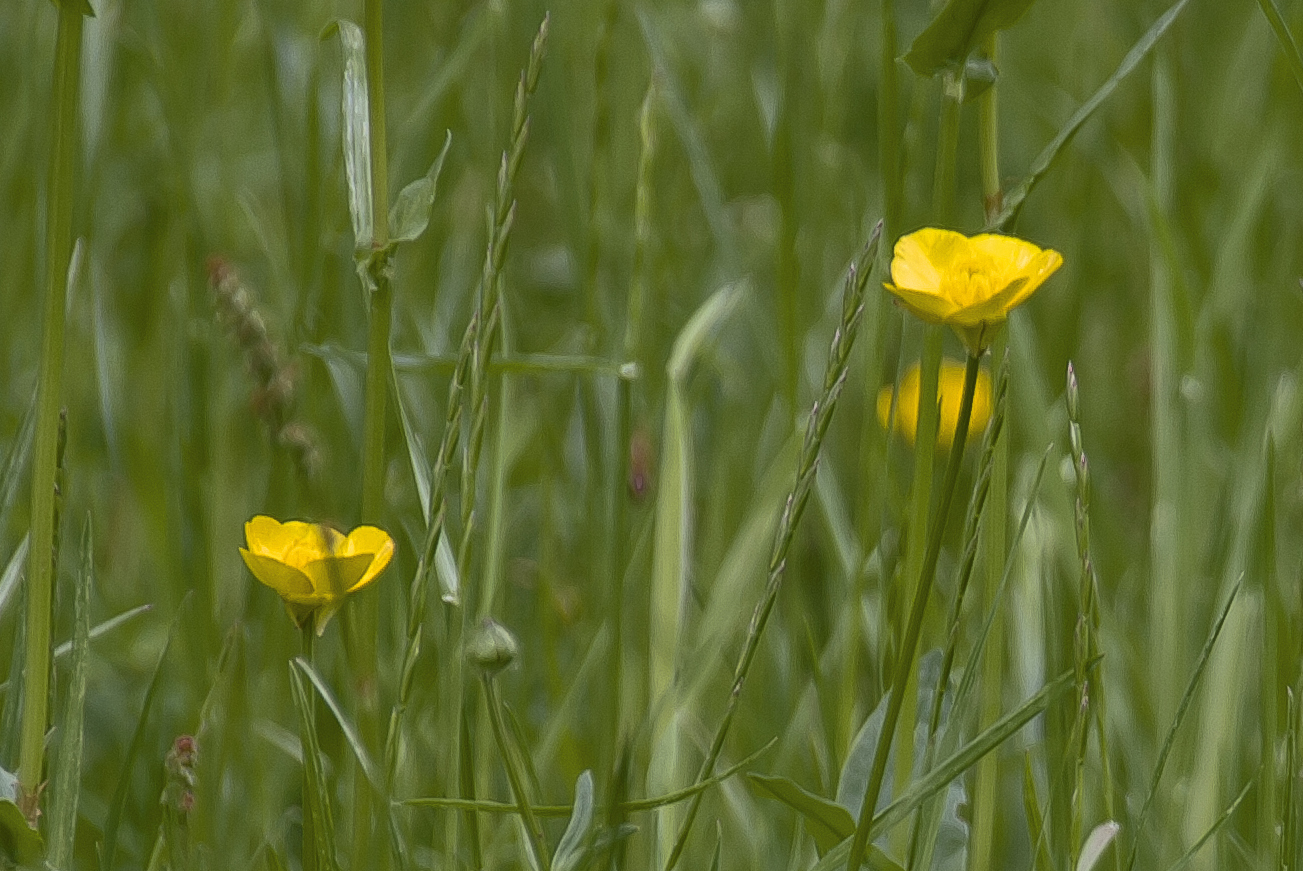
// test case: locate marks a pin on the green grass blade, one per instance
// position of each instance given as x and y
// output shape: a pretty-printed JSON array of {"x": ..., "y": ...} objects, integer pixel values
[
  {"x": 100, "y": 629},
  {"x": 674, "y": 520},
  {"x": 827, "y": 821},
  {"x": 317, "y": 798},
  {"x": 565, "y": 810},
  {"x": 1096, "y": 843},
  {"x": 67, "y": 768},
  {"x": 16, "y": 462},
  {"x": 1036, "y": 831},
  {"x": 108, "y": 852},
  {"x": 1284, "y": 37},
  {"x": 1013, "y": 201},
  {"x": 948, "y": 769},
  {"x": 346, "y": 725},
  {"x": 1212, "y": 830},
  {"x": 1170, "y": 740},
  {"x": 13, "y": 573}
]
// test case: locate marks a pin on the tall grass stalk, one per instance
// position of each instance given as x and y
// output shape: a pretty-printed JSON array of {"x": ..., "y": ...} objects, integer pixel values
[
  {"x": 364, "y": 621},
  {"x": 816, "y": 427},
  {"x": 58, "y": 251},
  {"x": 1090, "y": 688}
]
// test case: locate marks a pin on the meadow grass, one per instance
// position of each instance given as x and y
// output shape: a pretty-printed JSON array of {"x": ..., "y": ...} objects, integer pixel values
[{"x": 583, "y": 305}]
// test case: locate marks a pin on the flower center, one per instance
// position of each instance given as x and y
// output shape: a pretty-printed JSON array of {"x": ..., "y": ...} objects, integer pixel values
[{"x": 970, "y": 280}]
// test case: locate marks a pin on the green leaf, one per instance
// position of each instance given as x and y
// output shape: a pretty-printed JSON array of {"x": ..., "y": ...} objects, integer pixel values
[
  {"x": 956, "y": 764},
  {"x": 570, "y": 853},
  {"x": 1096, "y": 843},
  {"x": 20, "y": 844},
  {"x": 67, "y": 766},
  {"x": 355, "y": 125},
  {"x": 1035, "y": 819},
  {"x": 411, "y": 211},
  {"x": 827, "y": 822},
  {"x": 82, "y": 6},
  {"x": 959, "y": 27},
  {"x": 351, "y": 734},
  {"x": 1284, "y": 37},
  {"x": 1014, "y": 199}
]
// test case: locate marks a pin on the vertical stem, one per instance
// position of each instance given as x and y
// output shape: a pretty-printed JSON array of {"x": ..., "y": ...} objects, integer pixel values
[
  {"x": 58, "y": 235},
  {"x": 988, "y": 142},
  {"x": 909, "y": 646},
  {"x": 784, "y": 151},
  {"x": 943, "y": 190},
  {"x": 987, "y": 778},
  {"x": 366, "y": 611},
  {"x": 309, "y": 636},
  {"x": 925, "y": 433},
  {"x": 893, "y": 185}
]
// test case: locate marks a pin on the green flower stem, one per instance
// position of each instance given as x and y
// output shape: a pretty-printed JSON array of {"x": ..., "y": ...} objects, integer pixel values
[
  {"x": 927, "y": 412},
  {"x": 893, "y": 181},
  {"x": 542, "y": 858},
  {"x": 988, "y": 142},
  {"x": 366, "y": 608},
  {"x": 909, "y": 647},
  {"x": 994, "y": 535},
  {"x": 943, "y": 190},
  {"x": 58, "y": 235},
  {"x": 309, "y": 635}
]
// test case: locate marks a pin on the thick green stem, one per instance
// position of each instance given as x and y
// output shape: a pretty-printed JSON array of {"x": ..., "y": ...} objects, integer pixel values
[
  {"x": 909, "y": 647},
  {"x": 366, "y": 610},
  {"x": 58, "y": 235},
  {"x": 988, "y": 143},
  {"x": 986, "y": 780}
]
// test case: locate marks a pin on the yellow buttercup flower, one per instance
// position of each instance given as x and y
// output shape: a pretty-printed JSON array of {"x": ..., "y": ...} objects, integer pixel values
[
  {"x": 950, "y": 390},
  {"x": 970, "y": 284},
  {"x": 312, "y": 566}
]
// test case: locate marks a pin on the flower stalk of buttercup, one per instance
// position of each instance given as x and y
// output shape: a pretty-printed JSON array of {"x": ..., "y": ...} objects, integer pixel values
[
  {"x": 967, "y": 283},
  {"x": 949, "y": 393},
  {"x": 313, "y": 566}
]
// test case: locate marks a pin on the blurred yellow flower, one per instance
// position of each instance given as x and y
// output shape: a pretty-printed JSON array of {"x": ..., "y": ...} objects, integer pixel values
[
  {"x": 313, "y": 566},
  {"x": 950, "y": 389},
  {"x": 970, "y": 284}
]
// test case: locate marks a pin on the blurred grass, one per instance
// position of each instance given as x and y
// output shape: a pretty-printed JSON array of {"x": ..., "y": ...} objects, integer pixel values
[{"x": 213, "y": 129}]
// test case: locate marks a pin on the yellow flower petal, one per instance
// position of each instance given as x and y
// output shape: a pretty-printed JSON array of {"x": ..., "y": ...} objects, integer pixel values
[
  {"x": 335, "y": 577},
  {"x": 293, "y": 542},
  {"x": 921, "y": 258},
  {"x": 287, "y": 580}
]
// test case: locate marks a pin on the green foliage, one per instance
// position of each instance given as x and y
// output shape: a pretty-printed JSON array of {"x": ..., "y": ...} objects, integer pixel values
[{"x": 595, "y": 434}]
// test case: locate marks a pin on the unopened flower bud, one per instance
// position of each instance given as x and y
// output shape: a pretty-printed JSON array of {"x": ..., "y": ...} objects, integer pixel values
[{"x": 492, "y": 648}]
